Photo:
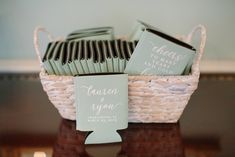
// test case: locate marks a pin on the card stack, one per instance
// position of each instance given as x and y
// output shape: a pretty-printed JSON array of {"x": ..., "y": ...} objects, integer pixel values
[
  {"x": 96, "y": 50},
  {"x": 99, "y": 33},
  {"x": 87, "y": 56}
]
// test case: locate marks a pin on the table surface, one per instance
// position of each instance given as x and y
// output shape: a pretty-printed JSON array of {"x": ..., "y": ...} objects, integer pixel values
[{"x": 29, "y": 124}]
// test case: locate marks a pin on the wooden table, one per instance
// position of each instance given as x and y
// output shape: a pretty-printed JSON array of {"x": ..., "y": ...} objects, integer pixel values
[{"x": 29, "y": 123}]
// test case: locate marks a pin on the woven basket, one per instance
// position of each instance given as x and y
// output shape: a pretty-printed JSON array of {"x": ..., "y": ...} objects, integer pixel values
[{"x": 159, "y": 99}]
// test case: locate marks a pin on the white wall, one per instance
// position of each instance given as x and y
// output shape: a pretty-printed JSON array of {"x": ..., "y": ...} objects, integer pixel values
[{"x": 19, "y": 17}]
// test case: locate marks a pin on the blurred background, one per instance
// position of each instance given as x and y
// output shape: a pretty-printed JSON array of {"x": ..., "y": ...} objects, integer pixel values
[{"x": 19, "y": 18}]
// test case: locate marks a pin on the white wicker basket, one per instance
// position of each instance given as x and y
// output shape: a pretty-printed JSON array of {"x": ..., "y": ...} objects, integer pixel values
[{"x": 159, "y": 99}]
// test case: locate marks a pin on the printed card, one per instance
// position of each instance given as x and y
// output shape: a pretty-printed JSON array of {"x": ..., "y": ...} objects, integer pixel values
[
  {"x": 55, "y": 57},
  {"x": 102, "y": 52},
  {"x": 78, "y": 57},
  {"x": 89, "y": 56},
  {"x": 46, "y": 63},
  {"x": 114, "y": 55},
  {"x": 71, "y": 59},
  {"x": 95, "y": 56},
  {"x": 84, "y": 56},
  {"x": 65, "y": 54},
  {"x": 159, "y": 54},
  {"x": 101, "y": 106},
  {"x": 99, "y": 33},
  {"x": 121, "y": 59},
  {"x": 123, "y": 53},
  {"x": 109, "y": 58}
]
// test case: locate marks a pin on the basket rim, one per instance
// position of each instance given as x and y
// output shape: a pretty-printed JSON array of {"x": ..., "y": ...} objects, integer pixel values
[{"x": 43, "y": 73}]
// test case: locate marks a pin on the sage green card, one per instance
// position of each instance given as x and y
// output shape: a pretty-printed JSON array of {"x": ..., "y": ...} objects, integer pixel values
[
  {"x": 79, "y": 58},
  {"x": 72, "y": 48},
  {"x": 109, "y": 56},
  {"x": 101, "y": 106},
  {"x": 49, "y": 53},
  {"x": 89, "y": 56},
  {"x": 65, "y": 53},
  {"x": 102, "y": 53},
  {"x": 98, "y": 33},
  {"x": 96, "y": 56},
  {"x": 121, "y": 57},
  {"x": 84, "y": 56},
  {"x": 54, "y": 59},
  {"x": 160, "y": 54},
  {"x": 114, "y": 55}
]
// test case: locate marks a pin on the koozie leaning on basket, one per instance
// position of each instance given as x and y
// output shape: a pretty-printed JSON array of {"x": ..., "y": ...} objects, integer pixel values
[
  {"x": 150, "y": 97},
  {"x": 102, "y": 106},
  {"x": 159, "y": 54}
]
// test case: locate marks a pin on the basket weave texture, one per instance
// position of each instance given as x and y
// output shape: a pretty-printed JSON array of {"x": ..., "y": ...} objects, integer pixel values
[{"x": 159, "y": 99}]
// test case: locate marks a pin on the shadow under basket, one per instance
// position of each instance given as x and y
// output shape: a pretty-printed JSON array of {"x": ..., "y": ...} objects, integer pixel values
[{"x": 158, "y": 99}]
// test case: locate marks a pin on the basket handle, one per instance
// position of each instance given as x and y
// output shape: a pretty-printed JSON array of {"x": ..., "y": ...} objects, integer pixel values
[
  {"x": 36, "y": 43},
  {"x": 202, "y": 29}
]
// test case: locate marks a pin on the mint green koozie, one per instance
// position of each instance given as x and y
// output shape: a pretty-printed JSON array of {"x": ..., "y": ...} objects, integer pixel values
[{"x": 101, "y": 106}]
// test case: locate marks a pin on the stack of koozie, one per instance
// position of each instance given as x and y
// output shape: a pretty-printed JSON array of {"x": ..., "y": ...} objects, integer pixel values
[
  {"x": 88, "y": 52},
  {"x": 96, "y": 50}
]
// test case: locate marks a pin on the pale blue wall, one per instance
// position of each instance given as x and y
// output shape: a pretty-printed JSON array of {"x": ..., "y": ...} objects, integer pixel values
[{"x": 19, "y": 17}]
